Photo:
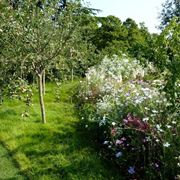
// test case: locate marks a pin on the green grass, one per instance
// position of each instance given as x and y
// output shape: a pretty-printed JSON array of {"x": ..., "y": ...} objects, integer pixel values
[
  {"x": 60, "y": 149},
  {"x": 8, "y": 170}
]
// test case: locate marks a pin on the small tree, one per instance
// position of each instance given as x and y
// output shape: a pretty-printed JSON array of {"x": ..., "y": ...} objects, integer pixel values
[{"x": 40, "y": 33}]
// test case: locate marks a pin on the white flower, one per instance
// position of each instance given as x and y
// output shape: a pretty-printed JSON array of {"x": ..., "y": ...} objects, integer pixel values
[
  {"x": 146, "y": 108},
  {"x": 145, "y": 119},
  {"x": 154, "y": 111},
  {"x": 158, "y": 127},
  {"x": 168, "y": 126},
  {"x": 118, "y": 154},
  {"x": 148, "y": 138},
  {"x": 166, "y": 144},
  {"x": 152, "y": 115},
  {"x": 149, "y": 96},
  {"x": 106, "y": 142},
  {"x": 103, "y": 121},
  {"x": 177, "y": 157},
  {"x": 138, "y": 101},
  {"x": 113, "y": 123},
  {"x": 137, "y": 94}
]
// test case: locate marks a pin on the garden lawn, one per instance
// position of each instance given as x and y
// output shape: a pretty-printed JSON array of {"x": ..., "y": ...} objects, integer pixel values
[
  {"x": 60, "y": 149},
  {"x": 8, "y": 170}
]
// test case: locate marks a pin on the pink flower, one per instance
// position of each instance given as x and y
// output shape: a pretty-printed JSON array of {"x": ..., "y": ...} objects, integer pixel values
[
  {"x": 156, "y": 165},
  {"x": 113, "y": 131},
  {"x": 136, "y": 122},
  {"x": 123, "y": 139},
  {"x": 119, "y": 142}
]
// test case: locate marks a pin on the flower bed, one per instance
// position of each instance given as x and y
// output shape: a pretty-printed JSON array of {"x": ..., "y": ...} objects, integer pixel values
[{"x": 130, "y": 111}]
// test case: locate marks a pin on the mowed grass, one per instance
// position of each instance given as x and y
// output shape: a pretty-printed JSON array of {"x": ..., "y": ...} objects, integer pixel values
[
  {"x": 8, "y": 169},
  {"x": 60, "y": 149}
]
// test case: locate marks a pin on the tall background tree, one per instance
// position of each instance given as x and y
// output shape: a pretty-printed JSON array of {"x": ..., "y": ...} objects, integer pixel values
[
  {"x": 170, "y": 9},
  {"x": 110, "y": 32}
]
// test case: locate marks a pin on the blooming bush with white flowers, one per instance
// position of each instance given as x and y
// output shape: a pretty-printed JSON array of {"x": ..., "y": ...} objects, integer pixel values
[{"x": 130, "y": 110}]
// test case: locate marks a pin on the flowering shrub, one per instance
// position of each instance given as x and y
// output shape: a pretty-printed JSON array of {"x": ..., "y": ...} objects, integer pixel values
[{"x": 131, "y": 112}]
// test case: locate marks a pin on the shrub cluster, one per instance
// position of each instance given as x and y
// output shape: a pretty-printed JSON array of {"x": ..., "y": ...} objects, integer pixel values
[{"x": 131, "y": 111}]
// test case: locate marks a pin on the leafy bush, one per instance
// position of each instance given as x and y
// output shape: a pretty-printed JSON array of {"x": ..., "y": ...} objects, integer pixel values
[
  {"x": 21, "y": 90},
  {"x": 130, "y": 109}
]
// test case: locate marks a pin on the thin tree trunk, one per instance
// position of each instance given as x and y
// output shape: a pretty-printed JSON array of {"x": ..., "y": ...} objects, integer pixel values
[
  {"x": 0, "y": 96},
  {"x": 41, "y": 98},
  {"x": 44, "y": 82},
  {"x": 34, "y": 79},
  {"x": 72, "y": 74}
]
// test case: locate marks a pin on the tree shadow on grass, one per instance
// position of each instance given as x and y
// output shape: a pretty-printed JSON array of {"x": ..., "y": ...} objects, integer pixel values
[
  {"x": 8, "y": 167},
  {"x": 63, "y": 152},
  {"x": 7, "y": 112}
]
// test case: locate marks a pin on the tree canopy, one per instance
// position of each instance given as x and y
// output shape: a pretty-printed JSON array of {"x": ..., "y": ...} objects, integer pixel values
[{"x": 170, "y": 9}]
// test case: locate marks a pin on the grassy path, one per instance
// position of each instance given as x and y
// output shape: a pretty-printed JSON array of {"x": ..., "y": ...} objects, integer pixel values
[
  {"x": 60, "y": 149},
  {"x": 8, "y": 170}
]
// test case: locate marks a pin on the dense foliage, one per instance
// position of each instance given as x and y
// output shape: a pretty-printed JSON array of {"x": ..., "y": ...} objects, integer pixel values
[
  {"x": 130, "y": 108},
  {"x": 171, "y": 9},
  {"x": 130, "y": 95}
]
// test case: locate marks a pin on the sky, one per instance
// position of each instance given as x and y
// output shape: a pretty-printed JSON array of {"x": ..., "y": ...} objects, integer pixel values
[{"x": 146, "y": 11}]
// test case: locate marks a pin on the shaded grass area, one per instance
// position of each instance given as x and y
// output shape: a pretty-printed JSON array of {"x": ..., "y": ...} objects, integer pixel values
[
  {"x": 60, "y": 149},
  {"x": 8, "y": 170}
]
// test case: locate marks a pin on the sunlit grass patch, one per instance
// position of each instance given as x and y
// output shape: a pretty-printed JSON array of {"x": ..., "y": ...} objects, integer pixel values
[{"x": 59, "y": 149}]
